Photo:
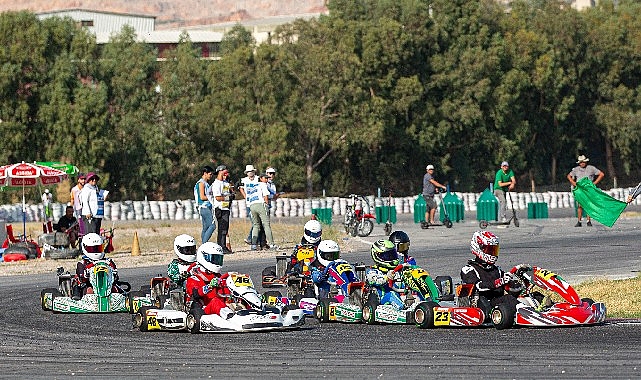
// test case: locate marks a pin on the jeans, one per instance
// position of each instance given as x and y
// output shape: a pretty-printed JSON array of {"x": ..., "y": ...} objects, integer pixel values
[{"x": 209, "y": 225}]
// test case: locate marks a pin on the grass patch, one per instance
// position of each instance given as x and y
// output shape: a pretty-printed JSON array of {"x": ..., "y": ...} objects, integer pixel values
[{"x": 621, "y": 297}]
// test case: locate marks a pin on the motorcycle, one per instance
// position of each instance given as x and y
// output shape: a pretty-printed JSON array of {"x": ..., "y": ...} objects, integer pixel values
[
  {"x": 356, "y": 220},
  {"x": 102, "y": 300}
]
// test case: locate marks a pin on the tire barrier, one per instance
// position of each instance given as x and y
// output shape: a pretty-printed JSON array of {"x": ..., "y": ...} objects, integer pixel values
[{"x": 287, "y": 207}]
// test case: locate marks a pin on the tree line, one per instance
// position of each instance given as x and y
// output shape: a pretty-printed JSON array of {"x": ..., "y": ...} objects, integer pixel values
[{"x": 359, "y": 99}]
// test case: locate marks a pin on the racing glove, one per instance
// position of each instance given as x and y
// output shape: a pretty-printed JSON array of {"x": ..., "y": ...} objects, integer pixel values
[
  {"x": 507, "y": 277},
  {"x": 215, "y": 282}
]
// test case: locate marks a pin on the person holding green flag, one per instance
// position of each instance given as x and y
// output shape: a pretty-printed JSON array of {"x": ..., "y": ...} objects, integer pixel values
[
  {"x": 634, "y": 193},
  {"x": 583, "y": 170}
]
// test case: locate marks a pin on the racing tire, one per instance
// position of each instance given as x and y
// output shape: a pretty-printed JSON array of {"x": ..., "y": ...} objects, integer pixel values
[
  {"x": 140, "y": 319},
  {"x": 483, "y": 224},
  {"x": 365, "y": 228},
  {"x": 448, "y": 223},
  {"x": 590, "y": 301},
  {"x": 356, "y": 297},
  {"x": 516, "y": 222},
  {"x": 502, "y": 316},
  {"x": 322, "y": 309},
  {"x": 272, "y": 293},
  {"x": 54, "y": 293},
  {"x": 424, "y": 314},
  {"x": 369, "y": 310},
  {"x": 193, "y": 320}
]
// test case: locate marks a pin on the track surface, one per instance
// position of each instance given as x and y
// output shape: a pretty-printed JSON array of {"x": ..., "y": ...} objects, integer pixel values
[{"x": 34, "y": 343}]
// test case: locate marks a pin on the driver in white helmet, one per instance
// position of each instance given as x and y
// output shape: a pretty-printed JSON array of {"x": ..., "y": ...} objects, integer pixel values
[
  {"x": 180, "y": 267},
  {"x": 494, "y": 286},
  {"x": 206, "y": 286},
  {"x": 312, "y": 233},
  {"x": 326, "y": 252},
  {"x": 93, "y": 251}
]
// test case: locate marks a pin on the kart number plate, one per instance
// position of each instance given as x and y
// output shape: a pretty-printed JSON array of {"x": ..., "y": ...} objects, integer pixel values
[
  {"x": 418, "y": 272},
  {"x": 342, "y": 268},
  {"x": 441, "y": 317},
  {"x": 152, "y": 323},
  {"x": 545, "y": 274},
  {"x": 304, "y": 254},
  {"x": 332, "y": 312},
  {"x": 241, "y": 280}
]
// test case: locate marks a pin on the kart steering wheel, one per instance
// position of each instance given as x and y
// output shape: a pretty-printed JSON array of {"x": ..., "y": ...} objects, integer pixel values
[
  {"x": 390, "y": 282},
  {"x": 519, "y": 273}
]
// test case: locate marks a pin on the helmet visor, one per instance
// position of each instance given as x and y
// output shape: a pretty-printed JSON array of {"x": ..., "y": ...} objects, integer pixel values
[
  {"x": 402, "y": 247},
  {"x": 215, "y": 259},
  {"x": 313, "y": 235},
  {"x": 94, "y": 248},
  {"x": 491, "y": 250},
  {"x": 389, "y": 255},
  {"x": 331, "y": 256},
  {"x": 189, "y": 250}
]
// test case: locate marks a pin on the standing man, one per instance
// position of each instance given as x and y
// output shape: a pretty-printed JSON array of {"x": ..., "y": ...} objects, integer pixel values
[
  {"x": 89, "y": 201},
  {"x": 271, "y": 186},
  {"x": 258, "y": 198},
  {"x": 429, "y": 189},
  {"x": 579, "y": 172},
  {"x": 504, "y": 181},
  {"x": 47, "y": 198},
  {"x": 222, "y": 197},
  {"x": 201, "y": 188},
  {"x": 246, "y": 185},
  {"x": 75, "y": 202}
]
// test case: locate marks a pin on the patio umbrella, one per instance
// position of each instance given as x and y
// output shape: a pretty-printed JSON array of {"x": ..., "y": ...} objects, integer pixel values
[
  {"x": 67, "y": 168},
  {"x": 29, "y": 175}
]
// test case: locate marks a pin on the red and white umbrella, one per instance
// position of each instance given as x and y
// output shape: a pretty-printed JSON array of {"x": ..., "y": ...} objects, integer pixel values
[{"x": 29, "y": 175}]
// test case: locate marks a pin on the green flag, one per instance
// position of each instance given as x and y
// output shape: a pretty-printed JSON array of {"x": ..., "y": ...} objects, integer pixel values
[{"x": 599, "y": 205}]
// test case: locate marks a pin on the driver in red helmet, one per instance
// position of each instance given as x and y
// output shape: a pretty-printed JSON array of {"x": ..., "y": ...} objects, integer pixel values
[{"x": 494, "y": 286}]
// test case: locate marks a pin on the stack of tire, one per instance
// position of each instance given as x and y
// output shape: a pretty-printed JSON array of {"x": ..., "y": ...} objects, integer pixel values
[{"x": 21, "y": 251}]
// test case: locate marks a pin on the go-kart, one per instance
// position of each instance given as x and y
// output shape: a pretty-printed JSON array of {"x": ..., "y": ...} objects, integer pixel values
[
  {"x": 279, "y": 274},
  {"x": 102, "y": 300},
  {"x": 534, "y": 309},
  {"x": 250, "y": 314}
]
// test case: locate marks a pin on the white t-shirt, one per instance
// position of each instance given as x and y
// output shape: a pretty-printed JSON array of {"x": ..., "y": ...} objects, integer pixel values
[
  {"x": 220, "y": 188},
  {"x": 256, "y": 194}
]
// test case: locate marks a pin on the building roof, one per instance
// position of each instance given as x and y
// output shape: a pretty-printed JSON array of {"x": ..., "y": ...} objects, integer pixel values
[{"x": 70, "y": 10}]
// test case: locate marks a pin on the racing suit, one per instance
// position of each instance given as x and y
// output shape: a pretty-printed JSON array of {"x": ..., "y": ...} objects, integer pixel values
[
  {"x": 83, "y": 272},
  {"x": 179, "y": 271},
  {"x": 295, "y": 266},
  {"x": 490, "y": 282},
  {"x": 199, "y": 289},
  {"x": 377, "y": 277}
]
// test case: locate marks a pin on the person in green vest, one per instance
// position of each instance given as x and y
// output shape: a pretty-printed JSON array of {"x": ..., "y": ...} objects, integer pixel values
[{"x": 504, "y": 181}]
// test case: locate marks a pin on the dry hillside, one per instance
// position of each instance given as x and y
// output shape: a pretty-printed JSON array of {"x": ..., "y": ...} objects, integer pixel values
[{"x": 179, "y": 13}]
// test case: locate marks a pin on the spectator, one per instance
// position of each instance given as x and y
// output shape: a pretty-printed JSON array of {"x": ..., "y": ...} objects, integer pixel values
[
  {"x": 222, "y": 197},
  {"x": 47, "y": 198},
  {"x": 504, "y": 181},
  {"x": 75, "y": 201},
  {"x": 271, "y": 186},
  {"x": 258, "y": 198},
  {"x": 89, "y": 201},
  {"x": 429, "y": 189},
  {"x": 579, "y": 172},
  {"x": 246, "y": 185},
  {"x": 67, "y": 224},
  {"x": 201, "y": 188}
]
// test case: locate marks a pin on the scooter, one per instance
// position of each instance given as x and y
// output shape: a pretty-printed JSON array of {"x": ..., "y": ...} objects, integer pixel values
[
  {"x": 446, "y": 220},
  {"x": 513, "y": 218}
]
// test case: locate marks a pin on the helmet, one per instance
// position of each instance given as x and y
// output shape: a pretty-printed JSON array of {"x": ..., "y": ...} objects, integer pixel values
[
  {"x": 384, "y": 254},
  {"x": 327, "y": 252},
  {"x": 210, "y": 257},
  {"x": 313, "y": 231},
  {"x": 485, "y": 246},
  {"x": 401, "y": 240},
  {"x": 92, "y": 246},
  {"x": 185, "y": 248}
]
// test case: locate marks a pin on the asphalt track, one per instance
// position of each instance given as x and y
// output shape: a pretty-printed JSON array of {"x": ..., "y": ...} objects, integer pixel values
[{"x": 38, "y": 344}]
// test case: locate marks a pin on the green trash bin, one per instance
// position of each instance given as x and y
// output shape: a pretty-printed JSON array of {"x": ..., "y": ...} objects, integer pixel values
[
  {"x": 537, "y": 210},
  {"x": 324, "y": 215},
  {"x": 419, "y": 209},
  {"x": 381, "y": 214},
  {"x": 455, "y": 208},
  {"x": 487, "y": 207}
]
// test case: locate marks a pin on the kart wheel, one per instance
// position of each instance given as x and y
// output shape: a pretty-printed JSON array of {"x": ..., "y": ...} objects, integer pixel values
[
  {"x": 193, "y": 320},
  {"x": 54, "y": 292},
  {"x": 483, "y": 224},
  {"x": 322, "y": 309},
  {"x": 356, "y": 298},
  {"x": 502, "y": 316},
  {"x": 590, "y": 301},
  {"x": 516, "y": 222},
  {"x": 140, "y": 319},
  {"x": 370, "y": 308},
  {"x": 424, "y": 314},
  {"x": 448, "y": 223},
  {"x": 365, "y": 228},
  {"x": 353, "y": 230}
]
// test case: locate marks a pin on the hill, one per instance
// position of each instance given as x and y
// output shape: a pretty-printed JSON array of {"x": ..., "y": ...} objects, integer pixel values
[{"x": 179, "y": 13}]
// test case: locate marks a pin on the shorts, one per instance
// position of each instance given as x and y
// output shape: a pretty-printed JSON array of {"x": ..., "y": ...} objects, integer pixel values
[{"x": 430, "y": 203}]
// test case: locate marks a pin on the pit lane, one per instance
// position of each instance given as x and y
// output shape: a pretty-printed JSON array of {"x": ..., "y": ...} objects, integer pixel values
[{"x": 34, "y": 343}]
